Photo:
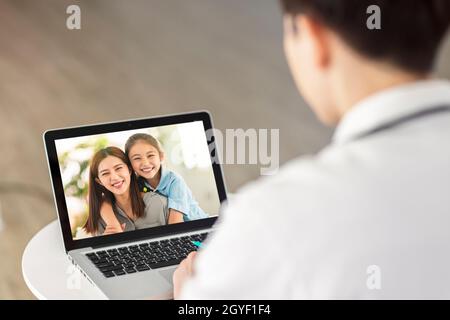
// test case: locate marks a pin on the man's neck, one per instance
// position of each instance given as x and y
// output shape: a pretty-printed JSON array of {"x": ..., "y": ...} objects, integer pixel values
[{"x": 367, "y": 80}]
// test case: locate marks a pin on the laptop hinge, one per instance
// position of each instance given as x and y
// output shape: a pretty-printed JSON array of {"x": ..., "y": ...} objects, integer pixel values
[{"x": 148, "y": 238}]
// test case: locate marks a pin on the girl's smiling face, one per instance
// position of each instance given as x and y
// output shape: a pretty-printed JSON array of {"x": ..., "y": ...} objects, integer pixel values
[
  {"x": 145, "y": 159},
  {"x": 114, "y": 175}
]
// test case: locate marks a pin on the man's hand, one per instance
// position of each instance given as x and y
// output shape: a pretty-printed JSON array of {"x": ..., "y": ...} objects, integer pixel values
[
  {"x": 184, "y": 272},
  {"x": 114, "y": 229}
]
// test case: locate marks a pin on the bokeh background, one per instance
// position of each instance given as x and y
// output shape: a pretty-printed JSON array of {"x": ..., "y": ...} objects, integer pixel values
[
  {"x": 186, "y": 153},
  {"x": 133, "y": 59}
]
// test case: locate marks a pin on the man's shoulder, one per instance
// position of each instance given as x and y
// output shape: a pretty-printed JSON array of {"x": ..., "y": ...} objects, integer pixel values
[
  {"x": 308, "y": 183},
  {"x": 304, "y": 172}
]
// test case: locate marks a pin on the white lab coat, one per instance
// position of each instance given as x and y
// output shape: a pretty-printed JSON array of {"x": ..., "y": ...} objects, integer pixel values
[{"x": 366, "y": 218}]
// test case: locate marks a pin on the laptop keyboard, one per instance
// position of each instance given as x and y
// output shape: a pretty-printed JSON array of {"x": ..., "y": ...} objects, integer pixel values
[{"x": 145, "y": 256}]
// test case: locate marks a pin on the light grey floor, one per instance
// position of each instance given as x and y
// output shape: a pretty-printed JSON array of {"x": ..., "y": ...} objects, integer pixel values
[{"x": 135, "y": 59}]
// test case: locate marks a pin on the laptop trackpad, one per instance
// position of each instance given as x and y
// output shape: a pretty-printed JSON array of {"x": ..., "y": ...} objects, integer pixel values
[{"x": 168, "y": 274}]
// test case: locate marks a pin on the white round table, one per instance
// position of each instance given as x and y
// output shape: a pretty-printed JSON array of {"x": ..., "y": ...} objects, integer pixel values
[{"x": 48, "y": 272}]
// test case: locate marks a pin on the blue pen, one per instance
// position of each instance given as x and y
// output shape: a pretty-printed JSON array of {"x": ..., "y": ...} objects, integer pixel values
[{"x": 198, "y": 244}]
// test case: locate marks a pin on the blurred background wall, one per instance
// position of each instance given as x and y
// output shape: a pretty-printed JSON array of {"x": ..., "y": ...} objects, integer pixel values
[{"x": 133, "y": 59}]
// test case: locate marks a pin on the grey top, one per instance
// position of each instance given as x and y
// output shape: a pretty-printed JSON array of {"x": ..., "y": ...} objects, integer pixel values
[{"x": 156, "y": 213}]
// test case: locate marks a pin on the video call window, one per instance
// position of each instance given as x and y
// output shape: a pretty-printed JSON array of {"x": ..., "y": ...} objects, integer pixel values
[{"x": 136, "y": 179}]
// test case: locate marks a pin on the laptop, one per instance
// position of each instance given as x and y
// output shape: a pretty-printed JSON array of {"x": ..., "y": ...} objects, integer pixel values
[{"x": 124, "y": 228}]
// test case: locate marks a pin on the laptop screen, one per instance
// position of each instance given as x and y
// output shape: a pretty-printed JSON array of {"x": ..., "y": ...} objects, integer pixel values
[{"x": 136, "y": 179}]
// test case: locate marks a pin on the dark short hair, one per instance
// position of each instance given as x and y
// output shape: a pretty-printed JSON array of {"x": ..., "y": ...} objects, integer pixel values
[{"x": 410, "y": 35}]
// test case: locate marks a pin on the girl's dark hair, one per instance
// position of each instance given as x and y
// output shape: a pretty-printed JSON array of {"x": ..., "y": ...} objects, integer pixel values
[
  {"x": 410, "y": 35},
  {"x": 98, "y": 193},
  {"x": 142, "y": 137}
]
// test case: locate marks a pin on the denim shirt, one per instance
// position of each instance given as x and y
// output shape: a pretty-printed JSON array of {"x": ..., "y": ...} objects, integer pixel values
[{"x": 179, "y": 195}]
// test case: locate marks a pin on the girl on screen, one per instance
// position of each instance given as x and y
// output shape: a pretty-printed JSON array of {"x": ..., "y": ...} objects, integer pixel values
[{"x": 112, "y": 181}]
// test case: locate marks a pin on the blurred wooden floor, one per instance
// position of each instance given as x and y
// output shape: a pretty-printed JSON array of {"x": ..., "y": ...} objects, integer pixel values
[{"x": 135, "y": 59}]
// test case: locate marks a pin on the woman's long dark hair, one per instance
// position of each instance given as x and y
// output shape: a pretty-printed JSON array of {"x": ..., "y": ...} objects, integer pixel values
[{"x": 98, "y": 193}]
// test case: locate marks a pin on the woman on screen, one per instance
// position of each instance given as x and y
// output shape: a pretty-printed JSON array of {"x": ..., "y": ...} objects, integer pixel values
[{"x": 111, "y": 180}]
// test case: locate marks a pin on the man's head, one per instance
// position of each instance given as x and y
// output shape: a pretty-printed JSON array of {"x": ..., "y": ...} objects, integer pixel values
[{"x": 337, "y": 60}]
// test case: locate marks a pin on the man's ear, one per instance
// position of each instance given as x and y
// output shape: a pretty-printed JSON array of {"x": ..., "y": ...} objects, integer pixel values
[
  {"x": 290, "y": 25},
  {"x": 316, "y": 37}
]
